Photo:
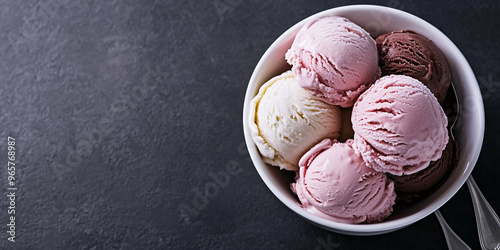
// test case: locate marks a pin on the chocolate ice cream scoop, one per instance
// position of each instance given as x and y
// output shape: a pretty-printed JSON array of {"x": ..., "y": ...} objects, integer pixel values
[
  {"x": 408, "y": 53},
  {"x": 414, "y": 187}
]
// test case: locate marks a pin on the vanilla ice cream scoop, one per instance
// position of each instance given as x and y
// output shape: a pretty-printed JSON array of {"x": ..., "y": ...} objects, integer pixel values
[
  {"x": 334, "y": 182},
  {"x": 399, "y": 126},
  {"x": 335, "y": 59},
  {"x": 286, "y": 121}
]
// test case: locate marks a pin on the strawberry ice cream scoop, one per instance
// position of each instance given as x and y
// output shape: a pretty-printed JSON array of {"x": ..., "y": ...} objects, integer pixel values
[
  {"x": 335, "y": 59},
  {"x": 399, "y": 126},
  {"x": 334, "y": 183}
]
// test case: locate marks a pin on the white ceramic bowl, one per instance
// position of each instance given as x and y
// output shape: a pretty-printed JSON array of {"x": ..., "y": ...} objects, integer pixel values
[{"x": 469, "y": 130}]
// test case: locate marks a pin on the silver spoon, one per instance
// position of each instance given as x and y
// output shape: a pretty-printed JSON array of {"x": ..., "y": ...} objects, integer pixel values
[
  {"x": 452, "y": 239},
  {"x": 488, "y": 224}
]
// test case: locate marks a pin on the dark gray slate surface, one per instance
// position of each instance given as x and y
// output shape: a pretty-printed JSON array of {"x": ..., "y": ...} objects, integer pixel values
[{"x": 123, "y": 110}]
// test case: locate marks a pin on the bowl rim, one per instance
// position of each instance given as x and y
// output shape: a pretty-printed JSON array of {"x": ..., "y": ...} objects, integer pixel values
[{"x": 385, "y": 226}]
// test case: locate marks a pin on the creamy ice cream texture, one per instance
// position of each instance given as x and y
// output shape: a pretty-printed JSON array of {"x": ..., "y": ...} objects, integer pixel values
[
  {"x": 333, "y": 182},
  {"x": 413, "y": 187},
  {"x": 408, "y": 53},
  {"x": 399, "y": 126},
  {"x": 286, "y": 121},
  {"x": 335, "y": 59}
]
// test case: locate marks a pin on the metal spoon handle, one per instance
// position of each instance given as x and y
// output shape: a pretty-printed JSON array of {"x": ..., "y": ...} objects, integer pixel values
[
  {"x": 452, "y": 239},
  {"x": 488, "y": 224}
]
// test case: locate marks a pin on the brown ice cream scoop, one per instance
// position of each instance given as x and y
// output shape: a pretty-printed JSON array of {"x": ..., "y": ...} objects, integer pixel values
[
  {"x": 414, "y": 187},
  {"x": 408, "y": 53}
]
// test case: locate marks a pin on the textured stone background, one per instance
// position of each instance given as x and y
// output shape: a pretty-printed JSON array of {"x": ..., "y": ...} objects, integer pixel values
[{"x": 123, "y": 110}]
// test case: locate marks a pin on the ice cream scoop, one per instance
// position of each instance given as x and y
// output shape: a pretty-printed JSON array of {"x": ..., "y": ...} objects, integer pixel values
[
  {"x": 414, "y": 187},
  {"x": 286, "y": 121},
  {"x": 334, "y": 182},
  {"x": 335, "y": 59},
  {"x": 399, "y": 126},
  {"x": 408, "y": 53}
]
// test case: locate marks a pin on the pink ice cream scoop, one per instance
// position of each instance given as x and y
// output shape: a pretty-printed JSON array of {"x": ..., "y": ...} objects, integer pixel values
[
  {"x": 333, "y": 182},
  {"x": 399, "y": 126},
  {"x": 335, "y": 59}
]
